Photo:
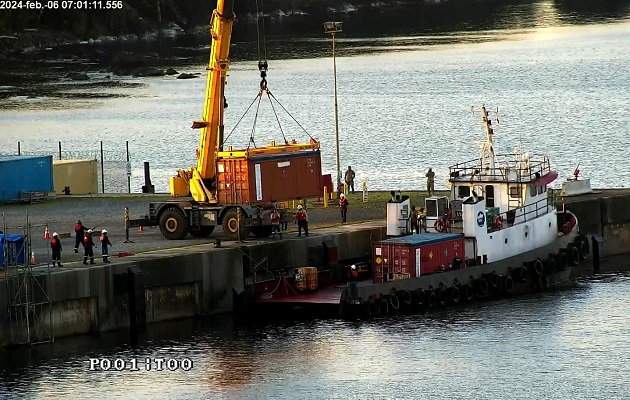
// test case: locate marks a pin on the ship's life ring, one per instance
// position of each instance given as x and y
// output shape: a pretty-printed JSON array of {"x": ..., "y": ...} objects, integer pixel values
[
  {"x": 439, "y": 225},
  {"x": 498, "y": 222}
]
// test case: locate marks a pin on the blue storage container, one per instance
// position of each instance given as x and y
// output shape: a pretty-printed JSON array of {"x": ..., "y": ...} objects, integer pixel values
[
  {"x": 14, "y": 245},
  {"x": 24, "y": 174}
]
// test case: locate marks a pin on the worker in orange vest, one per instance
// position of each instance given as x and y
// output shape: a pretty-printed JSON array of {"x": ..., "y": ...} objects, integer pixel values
[
  {"x": 301, "y": 217},
  {"x": 343, "y": 206},
  {"x": 104, "y": 243},
  {"x": 55, "y": 245},
  {"x": 88, "y": 244}
]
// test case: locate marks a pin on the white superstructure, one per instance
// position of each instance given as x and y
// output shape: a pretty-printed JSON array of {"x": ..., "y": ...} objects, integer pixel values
[{"x": 500, "y": 203}]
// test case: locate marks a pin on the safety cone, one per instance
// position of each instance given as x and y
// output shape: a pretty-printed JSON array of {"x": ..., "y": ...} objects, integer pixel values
[
  {"x": 47, "y": 234},
  {"x": 140, "y": 229},
  {"x": 33, "y": 257}
]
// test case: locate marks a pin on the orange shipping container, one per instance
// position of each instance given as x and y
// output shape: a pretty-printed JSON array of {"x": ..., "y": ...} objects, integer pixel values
[{"x": 268, "y": 178}]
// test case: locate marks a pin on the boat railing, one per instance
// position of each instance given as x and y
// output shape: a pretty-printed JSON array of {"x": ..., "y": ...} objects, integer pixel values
[
  {"x": 526, "y": 169},
  {"x": 526, "y": 212}
]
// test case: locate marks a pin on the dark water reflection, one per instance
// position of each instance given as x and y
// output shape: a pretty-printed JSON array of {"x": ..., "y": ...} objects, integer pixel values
[
  {"x": 369, "y": 30},
  {"x": 564, "y": 345}
]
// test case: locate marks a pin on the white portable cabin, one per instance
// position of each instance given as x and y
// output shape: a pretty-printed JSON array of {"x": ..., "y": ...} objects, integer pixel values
[{"x": 398, "y": 212}]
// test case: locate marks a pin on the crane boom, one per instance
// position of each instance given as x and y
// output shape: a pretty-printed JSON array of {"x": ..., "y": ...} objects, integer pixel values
[{"x": 201, "y": 177}]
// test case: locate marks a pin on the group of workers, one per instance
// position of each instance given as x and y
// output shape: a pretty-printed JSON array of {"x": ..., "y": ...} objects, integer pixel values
[{"x": 83, "y": 237}]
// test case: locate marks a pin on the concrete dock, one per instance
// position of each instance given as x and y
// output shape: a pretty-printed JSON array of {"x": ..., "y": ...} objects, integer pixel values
[{"x": 173, "y": 283}]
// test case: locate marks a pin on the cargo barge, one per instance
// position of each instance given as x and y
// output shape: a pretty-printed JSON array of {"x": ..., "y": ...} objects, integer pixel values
[{"x": 498, "y": 232}]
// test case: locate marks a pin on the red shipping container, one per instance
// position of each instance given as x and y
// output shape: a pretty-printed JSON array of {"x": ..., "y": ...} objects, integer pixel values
[
  {"x": 416, "y": 255},
  {"x": 265, "y": 178}
]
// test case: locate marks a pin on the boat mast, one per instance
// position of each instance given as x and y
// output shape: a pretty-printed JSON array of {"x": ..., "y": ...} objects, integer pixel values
[{"x": 487, "y": 158}]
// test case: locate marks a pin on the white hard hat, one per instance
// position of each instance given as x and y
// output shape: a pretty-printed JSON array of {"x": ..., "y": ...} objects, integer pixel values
[
  {"x": 299, "y": 206},
  {"x": 104, "y": 231},
  {"x": 55, "y": 234},
  {"x": 342, "y": 195},
  {"x": 353, "y": 266},
  {"x": 90, "y": 231}
]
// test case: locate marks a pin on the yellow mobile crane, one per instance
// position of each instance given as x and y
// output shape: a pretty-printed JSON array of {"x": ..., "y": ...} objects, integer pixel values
[{"x": 234, "y": 188}]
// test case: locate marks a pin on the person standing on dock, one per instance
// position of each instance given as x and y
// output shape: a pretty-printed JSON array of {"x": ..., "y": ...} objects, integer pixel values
[
  {"x": 79, "y": 231},
  {"x": 88, "y": 245},
  {"x": 275, "y": 223},
  {"x": 55, "y": 245},
  {"x": 343, "y": 206},
  {"x": 104, "y": 243},
  {"x": 301, "y": 217},
  {"x": 350, "y": 178},
  {"x": 430, "y": 181}
]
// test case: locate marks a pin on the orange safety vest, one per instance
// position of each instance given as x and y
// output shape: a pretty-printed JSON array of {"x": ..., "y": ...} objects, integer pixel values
[
  {"x": 301, "y": 215},
  {"x": 86, "y": 239},
  {"x": 343, "y": 202},
  {"x": 53, "y": 242},
  {"x": 102, "y": 238}
]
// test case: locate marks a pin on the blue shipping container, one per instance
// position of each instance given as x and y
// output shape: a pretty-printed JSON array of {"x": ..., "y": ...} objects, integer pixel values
[
  {"x": 24, "y": 174},
  {"x": 14, "y": 246}
]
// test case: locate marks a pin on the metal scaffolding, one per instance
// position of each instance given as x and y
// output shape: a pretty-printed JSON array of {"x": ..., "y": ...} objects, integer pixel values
[{"x": 29, "y": 306}]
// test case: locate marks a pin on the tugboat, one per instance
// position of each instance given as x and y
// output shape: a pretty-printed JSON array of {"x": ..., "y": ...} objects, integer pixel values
[{"x": 497, "y": 232}]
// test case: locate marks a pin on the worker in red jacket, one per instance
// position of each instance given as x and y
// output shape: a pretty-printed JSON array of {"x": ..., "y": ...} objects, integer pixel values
[
  {"x": 104, "y": 245},
  {"x": 79, "y": 231},
  {"x": 88, "y": 245},
  {"x": 55, "y": 245},
  {"x": 343, "y": 206},
  {"x": 301, "y": 217}
]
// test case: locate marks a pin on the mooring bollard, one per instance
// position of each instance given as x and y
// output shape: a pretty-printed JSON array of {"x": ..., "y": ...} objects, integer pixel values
[{"x": 325, "y": 197}]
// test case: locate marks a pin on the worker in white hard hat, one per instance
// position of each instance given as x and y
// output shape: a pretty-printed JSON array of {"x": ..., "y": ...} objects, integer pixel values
[
  {"x": 104, "y": 243},
  {"x": 354, "y": 273},
  {"x": 343, "y": 206},
  {"x": 301, "y": 218},
  {"x": 55, "y": 245},
  {"x": 88, "y": 244}
]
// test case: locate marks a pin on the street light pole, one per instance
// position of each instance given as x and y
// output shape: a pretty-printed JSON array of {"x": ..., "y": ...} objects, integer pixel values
[{"x": 332, "y": 28}]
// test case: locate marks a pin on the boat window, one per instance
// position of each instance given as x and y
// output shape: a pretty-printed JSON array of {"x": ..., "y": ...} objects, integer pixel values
[
  {"x": 515, "y": 192},
  {"x": 463, "y": 191},
  {"x": 489, "y": 196}
]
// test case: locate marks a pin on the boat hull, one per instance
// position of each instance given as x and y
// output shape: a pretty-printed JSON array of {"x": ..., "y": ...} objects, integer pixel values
[{"x": 517, "y": 275}]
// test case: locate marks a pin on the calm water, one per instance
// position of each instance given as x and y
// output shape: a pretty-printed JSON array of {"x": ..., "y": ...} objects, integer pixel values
[
  {"x": 573, "y": 344},
  {"x": 560, "y": 78}
]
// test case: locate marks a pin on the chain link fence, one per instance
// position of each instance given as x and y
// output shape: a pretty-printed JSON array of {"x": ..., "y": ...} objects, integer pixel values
[{"x": 114, "y": 167}]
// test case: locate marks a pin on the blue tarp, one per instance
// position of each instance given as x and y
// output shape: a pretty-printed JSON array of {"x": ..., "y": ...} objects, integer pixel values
[
  {"x": 14, "y": 245},
  {"x": 424, "y": 238}
]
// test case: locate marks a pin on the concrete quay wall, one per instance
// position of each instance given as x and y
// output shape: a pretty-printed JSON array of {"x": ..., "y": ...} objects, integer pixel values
[
  {"x": 605, "y": 213},
  {"x": 176, "y": 283}
]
